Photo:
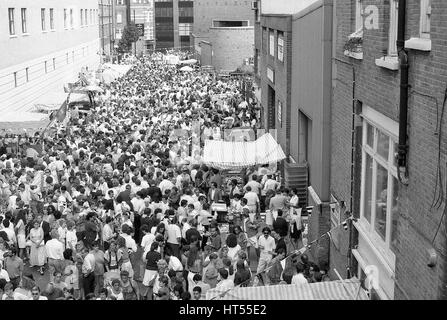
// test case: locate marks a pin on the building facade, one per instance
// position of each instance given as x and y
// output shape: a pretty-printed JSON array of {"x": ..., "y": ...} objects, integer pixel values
[
  {"x": 173, "y": 23},
  {"x": 223, "y": 33},
  {"x": 48, "y": 42},
  {"x": 398, "y": 206},
  {"x": 106, "y": 11},
  {"x": 121, "y": 9},
  {"x": 293, "y": 52}
]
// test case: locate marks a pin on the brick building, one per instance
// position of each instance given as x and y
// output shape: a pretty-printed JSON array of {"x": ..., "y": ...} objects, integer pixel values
[
  {"x": 222, "y": 33},
  {"x": 397, "y": 226},
  {"x": 293, "y": 51}
]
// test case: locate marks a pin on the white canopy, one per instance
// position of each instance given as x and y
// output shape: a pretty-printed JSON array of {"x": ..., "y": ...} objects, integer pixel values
[
  {"x": 23, "y": 122},
  {"x": 171, "y": 59},
  {"x": 50, "y": 101},
  {"x": 236, "y": 155},
  {"x": 112, "y": 72},
  {"x": 327, "y": 290},
  {"x": 186, "y": 69},
  {"x": 190, "y": 61}
]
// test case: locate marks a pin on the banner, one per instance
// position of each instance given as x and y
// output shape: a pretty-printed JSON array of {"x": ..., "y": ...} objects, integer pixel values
[{"x": 239, "y": 135}]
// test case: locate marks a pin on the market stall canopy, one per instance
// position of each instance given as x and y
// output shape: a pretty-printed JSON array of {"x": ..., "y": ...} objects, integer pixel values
[
  {"x": 327, "y": 290},
  {"x": 112, "y": 72},
  {"x": 23, "y": 122},
  {"x": 236, "y": 155},
  {"x": 50, "y": 101},
  {"x": 171, "y": 59},
  {"x": 190, "y": 61},
  {"x": 79, "y": 97},
  {"x": 94, "y": 88},
  {"x": 186, "y": 69}
]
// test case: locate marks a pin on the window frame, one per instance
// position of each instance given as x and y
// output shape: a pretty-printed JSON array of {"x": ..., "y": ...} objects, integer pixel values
[
  {"x": 23, "y": 16},
  {"x": 359, "y": 15},
  {"x": 271, "y": 42},
  {"x": 43, "y": 18},
  {"x": 392, "y": 32},
  {"x": 65, "y": 18},
  {"x": 384, "y": 246},
  {"x": 11, "y": 20},
  {"x": 280, "y": 48},
  {"x": 425, "y": 19},
  {"x": 52, "y": 19}
]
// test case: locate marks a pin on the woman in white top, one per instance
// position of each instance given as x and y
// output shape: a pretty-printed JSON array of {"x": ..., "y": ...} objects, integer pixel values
[
  {"x": 20, "y": 229},
  {"x": 295, "y": 217},
  {"x": 115, "y": 290}
]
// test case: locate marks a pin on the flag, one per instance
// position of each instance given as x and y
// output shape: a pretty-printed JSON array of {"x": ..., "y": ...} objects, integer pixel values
[{"x": 62, "y": 112}]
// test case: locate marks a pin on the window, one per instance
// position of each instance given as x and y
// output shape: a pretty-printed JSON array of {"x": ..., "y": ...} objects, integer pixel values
[
  {"x": 46, "y": 67},
  {"x": 272, "y": 43},
  {"x": 54, "y": 63},
  {"x": 185, "y": 12},
  {"x": 279, "y": 115},
  {"x": 264, "y": 39},
  {"x": 86, "y": 17},
  {"x": 71, "y": 19},
  {"x": 281, "y": 46},
  {"x": 23, "y": 15},
  {"x": 66, "y": 56},
  {"x": 378, "y": 211},
  {"x": 12, "y": 30},
  {"x": 119, "y": 18},
  {"x": 27, "y": 74},
  {"x": 51, "y": 19},
  {"x": 425, "y": 19},
  {"x": 42, "y": 19},
  {"x": 304, "y": 137},
  {"x": 392, "y": 37},
  {"x": 358, "y": 15},
  {"x": 82, "y": 17},
  {"x": 185, "y": 29},
  {"x": 65, "y": 18},
  {"x": 229, "y": 24},
  {"x": 15, "y": 79},
  {"x": 271, "y": 98},
  {"x": 91, "y": 16}
]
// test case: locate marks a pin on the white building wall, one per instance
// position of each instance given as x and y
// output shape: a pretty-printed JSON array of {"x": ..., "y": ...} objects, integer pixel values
[
  {"x": 284, "y": 6},
  {"x": 29, "y": 53}
]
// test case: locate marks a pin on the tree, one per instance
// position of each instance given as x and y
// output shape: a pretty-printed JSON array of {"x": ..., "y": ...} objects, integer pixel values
[{"x": 130, "y": 35}]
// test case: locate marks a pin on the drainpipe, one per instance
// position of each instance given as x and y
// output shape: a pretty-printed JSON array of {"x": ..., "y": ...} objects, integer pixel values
[
  {"x": 352, "y": 240},
  {"x": 403, "y": 101}
]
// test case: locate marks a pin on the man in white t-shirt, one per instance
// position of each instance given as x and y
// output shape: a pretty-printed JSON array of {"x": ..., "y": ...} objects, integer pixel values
[
  {"x": 267, "y": 245},
  {"x": 299, "y": 278},
  {"x": 174, "y": 237}
]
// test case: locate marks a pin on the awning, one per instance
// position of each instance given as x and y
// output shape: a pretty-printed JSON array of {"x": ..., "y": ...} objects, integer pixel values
[
  {"x": 237, "y": 155},
  {"x": 23, "y": 122},
  {"x": 190, "y": 61},
  {"x": 327, "y": 290},
  {"x": 186, "y": 69},
  {"x": 112, "y": 72},
  {"x": 50, "y": 101}
]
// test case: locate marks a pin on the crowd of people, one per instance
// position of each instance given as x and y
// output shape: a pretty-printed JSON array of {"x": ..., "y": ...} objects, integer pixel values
[{"x": 117, "y": 207}]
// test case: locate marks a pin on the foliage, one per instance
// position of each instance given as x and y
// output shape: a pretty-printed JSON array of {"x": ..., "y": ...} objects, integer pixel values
[
  {"x": 354, "y": 44},
  {"x": 130, "y": 35}
]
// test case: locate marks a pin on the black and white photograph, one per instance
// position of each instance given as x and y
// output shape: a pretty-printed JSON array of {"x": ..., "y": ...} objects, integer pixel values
[{"x": 229, "y": 153}]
